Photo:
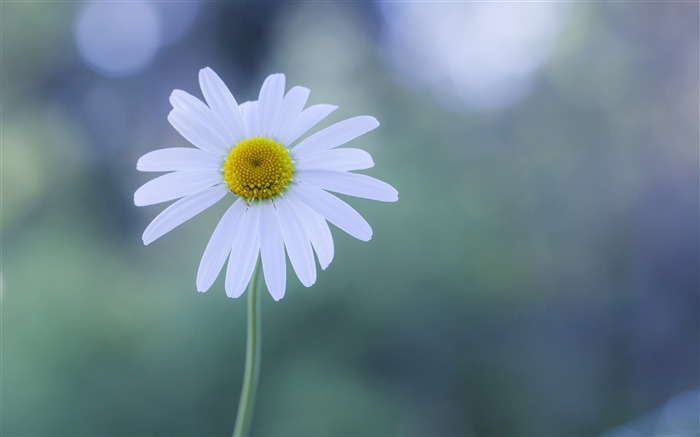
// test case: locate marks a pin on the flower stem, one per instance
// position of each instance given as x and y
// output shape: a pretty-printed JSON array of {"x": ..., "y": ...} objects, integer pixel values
[{"x": 252, "y": 359}]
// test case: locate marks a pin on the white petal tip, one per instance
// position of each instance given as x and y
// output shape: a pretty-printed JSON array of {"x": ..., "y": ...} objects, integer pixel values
[
  {"x": 327, "y": 262},
  {"x": 388, "y": 194},
  {"x": 235, "y": 294},
  {"x": 232, "y": 296},
  {"x": 170, "y": 116},
  {"x": 207, "y": 73},
  {"x": 277, "y": 296},
  {"x": 308, "y": 282},
  {"x": 200, "y": 284},
  {"x": 141, "y": 199},
  {"x": 174, "y": 96}
]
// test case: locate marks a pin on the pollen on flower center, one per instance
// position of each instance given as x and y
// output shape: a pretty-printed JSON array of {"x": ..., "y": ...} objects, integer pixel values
[{"x": 258, "y": 168}]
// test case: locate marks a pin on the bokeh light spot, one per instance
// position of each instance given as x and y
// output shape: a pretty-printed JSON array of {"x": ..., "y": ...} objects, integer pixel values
[
  {"x": 481, "y": 56},
  {"x": 117, "y": 38}
]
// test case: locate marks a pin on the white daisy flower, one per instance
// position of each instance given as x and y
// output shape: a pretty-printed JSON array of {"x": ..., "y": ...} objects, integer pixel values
[{"x": 279, "y": 186}]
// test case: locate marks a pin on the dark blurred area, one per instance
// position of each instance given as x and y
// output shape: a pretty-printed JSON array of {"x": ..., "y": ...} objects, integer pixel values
[{"x": 539, "y": 275}]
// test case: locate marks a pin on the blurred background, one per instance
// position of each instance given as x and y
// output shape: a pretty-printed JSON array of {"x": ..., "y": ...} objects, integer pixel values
[{"x": 538, "y": 277}]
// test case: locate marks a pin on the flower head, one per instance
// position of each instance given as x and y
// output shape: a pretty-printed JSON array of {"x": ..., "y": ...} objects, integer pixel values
[{"x": 279, "y": 186}]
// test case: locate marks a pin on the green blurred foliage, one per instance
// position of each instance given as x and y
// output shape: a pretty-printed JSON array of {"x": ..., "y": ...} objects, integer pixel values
[{"x": 539, "y": 275}]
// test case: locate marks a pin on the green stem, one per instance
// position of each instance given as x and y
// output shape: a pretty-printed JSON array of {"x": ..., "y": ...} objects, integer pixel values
[{"x": 252, "y": 359}]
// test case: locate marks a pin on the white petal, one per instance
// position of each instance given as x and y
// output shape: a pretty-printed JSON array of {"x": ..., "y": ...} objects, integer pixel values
[
  {"x": 297, "y": 243},
  {"x": 309, "y": 118},
  {"x": 195, "y": 109},
  {"x": 316, "y": 229},
  {"x": 336, "y": 135},
  {"x": 334, "y": 210},
  {"x": 222, "y": 103},
  {"x": 346, "y": 159},
  {"x": 181, "y": 211},
  {"x": 292, "y": 106},
  {"x": 272, "y": 251},
  {"x": 219, "y": 245},
  {"x": 178, "y": 158},
  {"x": 249, "y": 111},
  {"x": 352, "y": 184},
  {"x": 196, "y": 133},
  {"x": 244, "y": 253},
  {"x": 175, "y": 185},
  {"x": 270, "y": 102}
]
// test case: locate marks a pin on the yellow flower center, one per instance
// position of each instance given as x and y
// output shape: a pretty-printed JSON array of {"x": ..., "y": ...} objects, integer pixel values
[{"x": 258, "y": 168}]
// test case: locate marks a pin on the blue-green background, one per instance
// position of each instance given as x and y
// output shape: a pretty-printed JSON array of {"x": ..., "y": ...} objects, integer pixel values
[{"x": 538, "y": 276}]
